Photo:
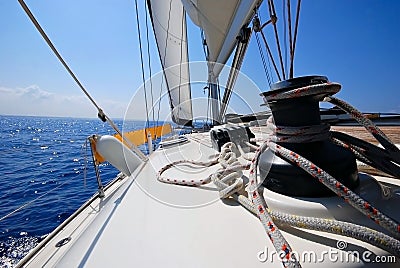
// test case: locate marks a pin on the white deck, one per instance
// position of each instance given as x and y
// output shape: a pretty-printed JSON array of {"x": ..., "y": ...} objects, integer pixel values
[{"x": 144, "y": 223}]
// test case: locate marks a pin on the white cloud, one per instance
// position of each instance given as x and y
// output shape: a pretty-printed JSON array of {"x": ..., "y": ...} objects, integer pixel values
[
  {"x": 33, "y": 100},
  {"x": 34, "y": 92}
]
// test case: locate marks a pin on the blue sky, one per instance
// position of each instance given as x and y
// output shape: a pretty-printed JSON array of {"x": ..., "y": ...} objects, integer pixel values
[{"x": 352, "y": 42}]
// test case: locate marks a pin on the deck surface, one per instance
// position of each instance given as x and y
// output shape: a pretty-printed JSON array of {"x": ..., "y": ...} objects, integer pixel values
[
  {"x": 146, "y": 223},
  {"x": 393, "y": 132}
]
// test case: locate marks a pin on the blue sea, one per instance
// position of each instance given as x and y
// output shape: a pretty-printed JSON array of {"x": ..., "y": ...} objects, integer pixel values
[{"x": 42, "y": 170}]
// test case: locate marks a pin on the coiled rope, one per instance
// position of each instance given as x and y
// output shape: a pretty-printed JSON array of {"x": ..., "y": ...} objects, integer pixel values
[
  {"x": 307, "y": 134},
  {"x": 361, "y": 233},
  {"x": 228, "y": 180},
  {"x": 341, "y": 190}
]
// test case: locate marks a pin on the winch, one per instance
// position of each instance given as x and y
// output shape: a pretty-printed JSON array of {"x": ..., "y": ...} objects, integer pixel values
[{"x": 297, "y": 126}]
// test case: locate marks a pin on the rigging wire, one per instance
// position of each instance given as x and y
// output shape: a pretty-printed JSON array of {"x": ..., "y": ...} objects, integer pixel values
[
  {"x": 162, "y": 80},
  {"x": 263, "y": 60},
  {"x": 149, "y": 66},
  {"x": 101, "y": 113},
  {"x": 206, "y": 56},
  {"x": 205, "y": 47},
  {"x": 180, "y": 63},
  {"x": 286, "y": 10},
  {"x": 159, "y": 101},
  {"x": 58, "y": 55},
  {"x": 142, "y": 63},
  {"x": 290, "y": 38},
  {"x": 285, "y": 32},
  {"x": 295, "y": 35},
  {"x": 208, "y": 117},
  {"x": 274, "y": 18},
  {"x": 27, "y": 204},
  {"x": 258, "y": 28},
  {"x": 270, "y": 72},
  {"x": 162, "y": 63},
  {"x": 219, "y": 91}
]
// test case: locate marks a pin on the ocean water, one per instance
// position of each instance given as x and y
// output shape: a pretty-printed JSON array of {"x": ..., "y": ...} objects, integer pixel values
[{"x": 43, "y": 162}]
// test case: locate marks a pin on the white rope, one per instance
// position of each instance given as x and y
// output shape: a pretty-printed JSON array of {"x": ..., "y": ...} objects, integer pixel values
[{"x": 230, "y": 184}]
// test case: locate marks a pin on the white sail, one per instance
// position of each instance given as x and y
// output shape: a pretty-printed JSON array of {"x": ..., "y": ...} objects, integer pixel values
[
  {"x": 220, "y": 28},
  {"x": 169, "y": 25}
]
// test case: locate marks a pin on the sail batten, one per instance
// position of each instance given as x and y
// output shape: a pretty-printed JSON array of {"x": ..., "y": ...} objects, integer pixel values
[{"x": 169, "y": 25}]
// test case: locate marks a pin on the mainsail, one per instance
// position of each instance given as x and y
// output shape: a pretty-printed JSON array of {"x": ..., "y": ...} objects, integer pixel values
[{"x": 169, "y": 25}]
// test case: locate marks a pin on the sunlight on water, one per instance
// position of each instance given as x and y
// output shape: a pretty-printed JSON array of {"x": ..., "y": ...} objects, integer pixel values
[
  {"x": 14, "y": 249},
  {"x": 42, "y": 167}
]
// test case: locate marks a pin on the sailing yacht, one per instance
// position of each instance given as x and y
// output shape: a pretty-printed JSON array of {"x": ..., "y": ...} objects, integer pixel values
[{"x": 278, "y": 188}]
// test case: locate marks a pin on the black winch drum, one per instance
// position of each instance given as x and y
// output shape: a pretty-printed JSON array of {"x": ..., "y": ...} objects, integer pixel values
[{"x": 286, "y": 178}]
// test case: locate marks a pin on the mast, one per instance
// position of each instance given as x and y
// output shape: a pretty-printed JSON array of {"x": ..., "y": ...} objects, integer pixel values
[
  {"x": 214, "y": 98},
  {"x": 241, "y": 49}
]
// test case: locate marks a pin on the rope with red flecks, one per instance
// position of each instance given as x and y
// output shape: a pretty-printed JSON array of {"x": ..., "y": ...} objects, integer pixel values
[
  {"x": 302, "y": 134},
  {"x": 274, "y": 234},
  {"x": 341, "y": 190},
  {"x": 229, "y": 182},
  {"x": 362, "y": 233}
]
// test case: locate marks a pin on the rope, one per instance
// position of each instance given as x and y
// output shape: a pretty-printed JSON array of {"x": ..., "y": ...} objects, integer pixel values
[
  {"x": 338, "y": 188},
  {"x": 258, "y": 16},
  {"x": 370, "y": 154},
  {"x": 272, "y": 230},
  {"x": 342, "y": 191},
  {"x": 227, "y": 179},
  {"x": 337, "y": 227},
  {"x": 297, "y": 134},
  {"x": 185, "y": 181},
  {"x": 369, "y": 126},
  {"x": 362, "y": 233},
  {"x": 209, "y": 116},
  {"x": 322, "y": 89},
  {"x": 346, "y": 229},
  {"x": 225, "y": 158}
]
